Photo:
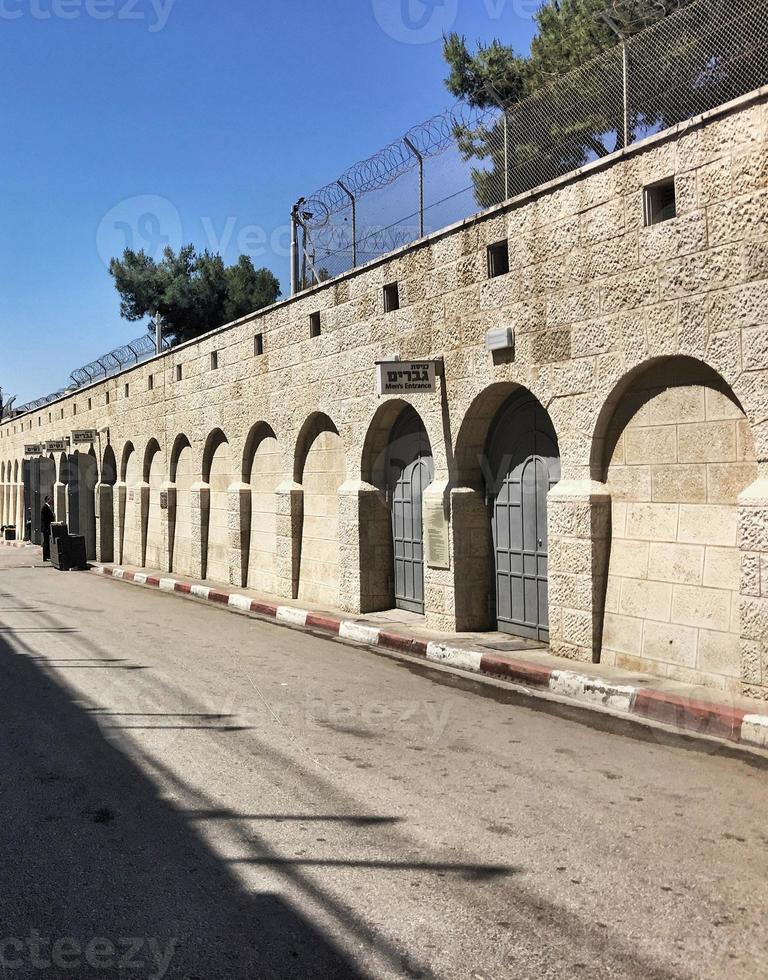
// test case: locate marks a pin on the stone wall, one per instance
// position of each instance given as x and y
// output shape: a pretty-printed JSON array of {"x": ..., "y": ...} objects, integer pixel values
[{"x": 594, "y": 296}]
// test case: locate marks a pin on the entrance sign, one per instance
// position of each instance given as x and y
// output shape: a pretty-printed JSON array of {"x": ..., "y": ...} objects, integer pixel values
[
  {"x": 57, "y": 446},
  {"x": 436, "y": 544},
  {"x": 83, "y": 437},
  {"x": 405, "y": 377},
  {"x": 35, "y": 449}
]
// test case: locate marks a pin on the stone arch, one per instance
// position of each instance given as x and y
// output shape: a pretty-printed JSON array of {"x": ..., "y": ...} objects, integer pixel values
[
  {"x": 215, "y": 439},
  {"x": 152, "y": 449},
  {"x": 131, "y": 473},
  {"x": 183, "y": 477},
  {"x": 506, "y": 460},
  {"x": 218, "y": 473},
  {"x": 317, "y": 424},
  {"x": 180, "y": 443},
  {"x": 320, "y": 467},
  {"x": 262, "y": 471},
  {"x": 397, "y": 460},
  {"x": 154, "y": 534},
  {"x": 674, "y": 449},
  {"x": 125, "y": 457},
  {"x": 472, "y": 437},
  {"x": 109, "y": 466},
  {"x": 105, "y": 531}
]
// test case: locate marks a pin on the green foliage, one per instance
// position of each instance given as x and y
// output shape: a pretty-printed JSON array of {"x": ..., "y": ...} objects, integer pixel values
[
  {"x": 192, "y": 292},
  {"x": 558, "y": 123}
]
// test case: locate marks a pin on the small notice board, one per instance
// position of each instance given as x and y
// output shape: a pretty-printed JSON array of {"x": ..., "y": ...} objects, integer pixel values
[{"x": 437, "y": 550}]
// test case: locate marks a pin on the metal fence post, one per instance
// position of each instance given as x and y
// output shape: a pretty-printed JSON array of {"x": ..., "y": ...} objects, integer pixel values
[
  {"x": 605, "y": 16},
  {"x": 420, "y": 158},
  {"x": 352, "y": 198}
]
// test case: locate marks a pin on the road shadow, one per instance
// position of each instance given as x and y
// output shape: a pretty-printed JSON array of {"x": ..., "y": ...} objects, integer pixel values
[{"x": 90, "y": 853}]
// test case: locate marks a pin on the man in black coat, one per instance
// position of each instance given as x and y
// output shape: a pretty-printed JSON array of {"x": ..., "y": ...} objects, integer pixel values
[{"x": 47, "y": 517}]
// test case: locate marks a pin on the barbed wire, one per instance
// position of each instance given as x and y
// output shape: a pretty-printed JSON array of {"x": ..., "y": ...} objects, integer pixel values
[{"x": 698, "y": 56}]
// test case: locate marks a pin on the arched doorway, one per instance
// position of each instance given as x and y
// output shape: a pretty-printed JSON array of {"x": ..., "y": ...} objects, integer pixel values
[
  {"x": 523, "y": 464},
  {"x": 410, "y": 470}
]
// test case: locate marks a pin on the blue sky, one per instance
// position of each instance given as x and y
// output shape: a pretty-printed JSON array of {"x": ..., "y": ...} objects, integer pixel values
[{"x": 209, "y": 116}]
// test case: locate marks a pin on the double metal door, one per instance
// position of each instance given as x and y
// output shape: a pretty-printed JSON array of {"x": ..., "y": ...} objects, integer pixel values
[
  {"x": 410, "y": 471},
  {"x": 525, "y": 465}
]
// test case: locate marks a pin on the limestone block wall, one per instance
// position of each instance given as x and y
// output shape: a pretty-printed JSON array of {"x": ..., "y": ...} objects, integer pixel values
[{"x": 596, "y": 299}]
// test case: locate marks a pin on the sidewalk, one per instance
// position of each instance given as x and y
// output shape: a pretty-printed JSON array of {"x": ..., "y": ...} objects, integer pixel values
[{"x": 529, "y": 666}]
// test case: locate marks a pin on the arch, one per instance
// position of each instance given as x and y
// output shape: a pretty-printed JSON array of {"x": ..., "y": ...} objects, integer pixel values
[
  {"x": 180, "y": 443},
  {"x": 125, "y": 458},
  {"x": 215, "y": 439},
  {"x": 183, "y": 476},
  {"x": 397, "y": 460},
  {"x": 320, "y": 466},
  {"x": 314, "y": 426},
  {"x": 630, "y": 394},
  {"x": 106, "y": 518},
  {"x": 374, "y": 459},
  {"x": 262, "y": 470},
  {"x": 109, "y": 466},
  {"x": 218, "y": 473},
  {"x": 473, "y": 434},
  {"x": 675, "y": 449},
  {"x": 131, "y": 473},
  {"x": 153, "y": 448},
  {"x": 257, "y": 434},
  {"x": 154, "y": 534}
]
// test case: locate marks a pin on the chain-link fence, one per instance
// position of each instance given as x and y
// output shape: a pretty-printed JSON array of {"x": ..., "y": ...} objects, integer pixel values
[{"x": 469, "y": 159}]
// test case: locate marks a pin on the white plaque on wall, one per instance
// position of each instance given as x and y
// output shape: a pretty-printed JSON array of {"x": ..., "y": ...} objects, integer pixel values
[{"x": 437, "y": 552}]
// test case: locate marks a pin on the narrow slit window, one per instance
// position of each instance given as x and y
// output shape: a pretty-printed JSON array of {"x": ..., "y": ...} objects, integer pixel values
[
  {"x": 498, "y": 259},
  {"x": 150, "y": 382},
  {"x": 391, "y": 297},
  {"x": 258, "y": 344},
  {"x": 660, "y": 202},
  {"x": 179, "y": 372},
  {"x": 127, "y": 391},
  {"x": 314, "y": 325},
  {"x": 214, "y": 360}
]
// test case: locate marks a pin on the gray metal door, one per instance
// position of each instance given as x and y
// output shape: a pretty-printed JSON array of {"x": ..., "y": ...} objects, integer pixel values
[
  {"x": 410, "y": 471},
  {"x": 525, "y": 465}
]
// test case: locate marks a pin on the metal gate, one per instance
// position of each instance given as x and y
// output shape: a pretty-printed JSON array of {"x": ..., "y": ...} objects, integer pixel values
[
  {"x": 524, "y": 465},
  {"x": 410, "y": 470},
  {"x": 39, "y": 477}
]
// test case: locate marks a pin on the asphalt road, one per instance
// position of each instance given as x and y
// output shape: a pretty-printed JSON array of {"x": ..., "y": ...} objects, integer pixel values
[{"x": 192, "y": 793}]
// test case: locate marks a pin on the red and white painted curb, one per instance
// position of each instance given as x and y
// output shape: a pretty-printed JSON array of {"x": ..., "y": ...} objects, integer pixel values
[{"x": 699, "y": 717}]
